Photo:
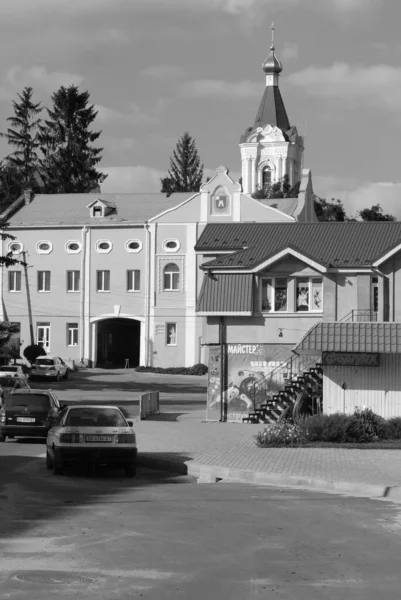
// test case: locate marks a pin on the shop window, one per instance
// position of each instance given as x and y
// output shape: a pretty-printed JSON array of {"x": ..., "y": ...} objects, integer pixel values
[
  {"x": 274, "y": 294},
  {"x": 309, "y": 294}
]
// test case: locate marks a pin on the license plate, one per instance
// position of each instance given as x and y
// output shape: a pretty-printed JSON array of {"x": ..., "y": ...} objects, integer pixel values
[
  {"x": 25, "y": 420},
  {"x": 98, "y": 438}
]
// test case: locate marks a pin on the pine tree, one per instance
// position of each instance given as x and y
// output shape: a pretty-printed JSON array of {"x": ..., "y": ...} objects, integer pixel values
[
  {"x": 69, "y": 159},
  {"x": 24, "y": 136},
  {"x": 186, "y": 172}
]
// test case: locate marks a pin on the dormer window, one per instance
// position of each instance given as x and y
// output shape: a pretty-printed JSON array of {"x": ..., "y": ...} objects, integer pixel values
[
  {"x": 100, "y": 207},
  {"x": 97, "y": 211}
]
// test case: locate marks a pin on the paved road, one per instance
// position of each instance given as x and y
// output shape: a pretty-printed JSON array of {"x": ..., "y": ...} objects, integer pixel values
[
  {"x": 178, "y": 394},
  {"x": 161, "y": 536}
]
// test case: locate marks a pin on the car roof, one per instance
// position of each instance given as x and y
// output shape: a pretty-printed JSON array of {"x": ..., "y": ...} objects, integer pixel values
[
  {"x": 31, "y": 391},
  {"x": 95, "y": 406}
]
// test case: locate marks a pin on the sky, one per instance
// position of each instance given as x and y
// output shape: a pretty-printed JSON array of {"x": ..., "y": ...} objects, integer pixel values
[{"x": 157, "y": 68}]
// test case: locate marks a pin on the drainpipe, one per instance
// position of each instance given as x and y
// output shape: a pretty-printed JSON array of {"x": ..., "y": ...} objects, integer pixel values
[
  {"x": 147, "y": 296},
  {"x": 83, "y": 291},
  {"x": 223, "y": 400},
  {"x": 28, "y": 299}
]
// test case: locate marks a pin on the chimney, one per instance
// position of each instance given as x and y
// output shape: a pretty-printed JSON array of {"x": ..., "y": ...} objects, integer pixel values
[{"x": 28, "y": 196}]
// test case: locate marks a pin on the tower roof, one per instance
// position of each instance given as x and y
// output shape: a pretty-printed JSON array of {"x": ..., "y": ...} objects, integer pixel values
[{"x": 272, "y": 110}]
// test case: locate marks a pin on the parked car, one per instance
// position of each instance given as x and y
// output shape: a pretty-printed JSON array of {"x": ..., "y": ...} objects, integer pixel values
[
  {"x": 49, "y": 367},
  {"x": 14, "y": 371},
  {"x": 95, "y": 435},
  {"x": 28, "y": 413}
]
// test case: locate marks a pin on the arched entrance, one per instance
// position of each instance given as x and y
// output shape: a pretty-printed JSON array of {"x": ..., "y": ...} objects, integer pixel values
[{"x": 117, "y": 340}]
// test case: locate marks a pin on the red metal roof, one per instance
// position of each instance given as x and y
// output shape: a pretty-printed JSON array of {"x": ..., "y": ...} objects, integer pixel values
[
  {"x": 332, "y": 244},
  {"x": 223, "y": 294},
  {"x": 384, "y": 338}
]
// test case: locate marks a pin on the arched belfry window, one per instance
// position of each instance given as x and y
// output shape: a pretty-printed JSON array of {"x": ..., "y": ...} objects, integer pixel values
[
  {"x": 171, "y": 277},
  {"x": 266, "y": 177}
]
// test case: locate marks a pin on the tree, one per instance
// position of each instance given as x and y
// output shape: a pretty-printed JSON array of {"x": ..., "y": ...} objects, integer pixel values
[
  {"x": 24, "y": 136},
  {"x": 69, "y": 159},
  {"x": 375, "y": 214},
  {"x": 11, "y": 185},
  {"x": 279, "y": 189},
  {"x": 33, "y": 351},
  {"x": 186, "y": 172},
  {"x": 329, "y": 210}
]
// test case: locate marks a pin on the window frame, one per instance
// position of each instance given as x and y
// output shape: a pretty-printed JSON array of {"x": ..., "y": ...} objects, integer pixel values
[
  {"x": 272, "y": 300},
  {"x": 39, "y": 251},
  {"x": 13, "y": 278},
  {"x": 102, "y": 290},
  {"x": 71, "y": 329},
  {"x": 46, "y": 326},
  {"x": 73, "y": 279},
  {"x": 69, "y": 251},
  {"x": 310, "y": 279},
  {"x": 11, "y": 243},
  {"x": 374, "y": 293},
  {"x": 171, "y": 278},
  {"x": 133, "y": 250},
  {"x": 133, "y": 280},
  {"x": 167, "y": 343},
  {"x": 104, "y": 250},
  {"x": 168, "y": 241},
  {"x": 43, "y": 291}
]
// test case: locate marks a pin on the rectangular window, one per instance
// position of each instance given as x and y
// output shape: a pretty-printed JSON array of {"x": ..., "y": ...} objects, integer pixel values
[
  {"x": 43, "y": 281},
  {"x": 14, "y": 281},
  {"x": 171, "y": 334},
  {"x": 274, "y": 294},
  {"x": 73, "y": 281},
  {"x": 103, "y": 281},
  {"x": 133, "y": 281},
  {"x": 72, "y": 334},
  {"x": 43, "y": 335},
  {"x": 309, "y": 294},
  {"x": 375, "y": 294}
]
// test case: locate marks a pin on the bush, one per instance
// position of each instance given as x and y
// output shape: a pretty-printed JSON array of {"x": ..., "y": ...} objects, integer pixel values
[
  {"x": 282, "y": 433},
  {"x": 198, "y": 369},
  {"x": 33, "y": 351},
  {"x": 392, "y": 429}
]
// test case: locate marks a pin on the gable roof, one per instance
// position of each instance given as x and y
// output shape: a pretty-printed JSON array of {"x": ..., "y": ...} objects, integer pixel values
[
  {"x": 72, "y": 209},
  {"x": 285, "y": 205},
  {"x": 330, "y": 244}
]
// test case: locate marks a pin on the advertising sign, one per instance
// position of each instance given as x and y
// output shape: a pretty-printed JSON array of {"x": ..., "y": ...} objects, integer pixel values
[
  {"x": 351, "y": 359},
  {"x": 246, "y": 365}
]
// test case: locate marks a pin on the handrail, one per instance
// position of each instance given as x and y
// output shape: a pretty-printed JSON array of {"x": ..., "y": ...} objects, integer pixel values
[
  {"x": 360, "y": 315},
  {"x": 275, "y": 381}
]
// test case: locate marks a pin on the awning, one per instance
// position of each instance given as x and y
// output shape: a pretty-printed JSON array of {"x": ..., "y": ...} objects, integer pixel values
[
  {"x": 383, "y": 338},
  {"x": 226, "y": 294}
]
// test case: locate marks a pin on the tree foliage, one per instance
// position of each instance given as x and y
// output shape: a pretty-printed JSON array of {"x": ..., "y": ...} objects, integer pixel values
[
  {"x": 69, "y": 158},
  {"x": 375, "y": 213},
  {"x": 329, "y": 210},
  {"x": 186, "y": 171},
  {"x": 279, "y": 189},
  {"x": 33, "y": 351},
  {"x": 23, "y": 135}
]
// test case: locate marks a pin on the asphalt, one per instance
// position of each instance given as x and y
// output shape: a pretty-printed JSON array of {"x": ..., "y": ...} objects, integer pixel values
[{"x": 180, "y": 440}]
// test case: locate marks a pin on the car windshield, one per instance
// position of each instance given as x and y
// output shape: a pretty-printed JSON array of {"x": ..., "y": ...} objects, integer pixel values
[
  {"x": 31, "y": 400},
  {"x": 9, "y": 369},
  {"x": 10, "y": 381},
  {"x": 95, "y": 417},
  {"x": 45, "y": 361}
]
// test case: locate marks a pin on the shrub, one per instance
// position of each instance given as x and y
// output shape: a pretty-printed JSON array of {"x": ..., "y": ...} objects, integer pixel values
[
  {"x": 392, "y": 429},
  {"x": 363, "y": 426},
  {"x": 198, "y": 369},
  {"x": 282, "y": 433},
  {"x": 33, "y": 351}
]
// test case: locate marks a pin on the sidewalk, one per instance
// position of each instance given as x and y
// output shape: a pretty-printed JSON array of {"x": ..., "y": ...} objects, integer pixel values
[{"x": 213, "y": 451}]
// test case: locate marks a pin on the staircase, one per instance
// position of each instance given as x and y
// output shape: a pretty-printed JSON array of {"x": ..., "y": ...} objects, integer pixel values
[{"x": 293, "y": 388}]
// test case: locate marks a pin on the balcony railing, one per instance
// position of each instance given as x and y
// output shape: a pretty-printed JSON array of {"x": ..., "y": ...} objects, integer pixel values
[{"x": 360, "y": 315}]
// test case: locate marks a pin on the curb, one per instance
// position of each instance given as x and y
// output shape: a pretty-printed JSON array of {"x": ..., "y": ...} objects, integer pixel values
[{"x": 215, "y": 473}]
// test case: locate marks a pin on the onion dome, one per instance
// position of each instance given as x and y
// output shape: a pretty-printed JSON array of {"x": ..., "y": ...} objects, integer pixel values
[{"x": 272, "y": 63}]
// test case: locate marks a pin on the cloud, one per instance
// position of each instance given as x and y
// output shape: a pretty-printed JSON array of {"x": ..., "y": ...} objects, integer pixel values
[
  {"x": 217, "y": 88},
  {"x": 377, "y": 86},
  {"x": 359, "y": 195},
  {"x": 133, "y": 116},
  {"x": 163, "y": 71},
  {"x": 18, "y": 77},
  {"x": 131, "y": 179},
  {"x": 289, "y": 52}
]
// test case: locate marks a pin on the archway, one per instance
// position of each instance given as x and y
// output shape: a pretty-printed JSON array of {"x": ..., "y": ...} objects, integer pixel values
[{"x": 117, "y": 340}]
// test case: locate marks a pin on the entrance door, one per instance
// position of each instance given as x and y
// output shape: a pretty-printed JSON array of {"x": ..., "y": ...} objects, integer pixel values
[{"x": 117, "y": 340}]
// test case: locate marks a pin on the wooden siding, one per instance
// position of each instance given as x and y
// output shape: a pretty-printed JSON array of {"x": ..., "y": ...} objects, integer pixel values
[{"x": 378, "y": 388}]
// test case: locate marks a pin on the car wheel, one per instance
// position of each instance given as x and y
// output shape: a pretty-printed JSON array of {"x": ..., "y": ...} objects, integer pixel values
[
  {"x": 49, "y": 462},
  {"x": 58, "y": 378},
  {"x": 130, "y": 471},
  {"x": 2, "y": 437}
]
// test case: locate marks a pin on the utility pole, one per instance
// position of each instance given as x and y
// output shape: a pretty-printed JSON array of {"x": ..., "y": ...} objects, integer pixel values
[{"x": 28, "y": 299}]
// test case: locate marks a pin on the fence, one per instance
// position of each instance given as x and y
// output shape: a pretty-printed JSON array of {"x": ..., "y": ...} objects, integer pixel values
[{"x": 148, "y": 404}]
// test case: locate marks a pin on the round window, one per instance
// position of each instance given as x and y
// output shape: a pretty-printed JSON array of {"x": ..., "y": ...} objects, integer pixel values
[
  {"x": 15, "y": 247},
  {"x": 73, "y": 246},
  {"x": 134, "y": 245},
  {"x": 44, "y": 246},
  {"x": 104, "y": 245},
  {"x": 171, "y": 245}
]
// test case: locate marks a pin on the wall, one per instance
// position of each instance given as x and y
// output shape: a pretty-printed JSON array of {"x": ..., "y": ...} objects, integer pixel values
[{"x": 378, "y": 388}]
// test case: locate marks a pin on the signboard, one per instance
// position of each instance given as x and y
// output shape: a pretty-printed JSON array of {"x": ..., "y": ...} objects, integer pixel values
[
  {"x": 246, "y": 364},
  {"x": 159, "y": 329},
  {"x": 351, "y": 359}
]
